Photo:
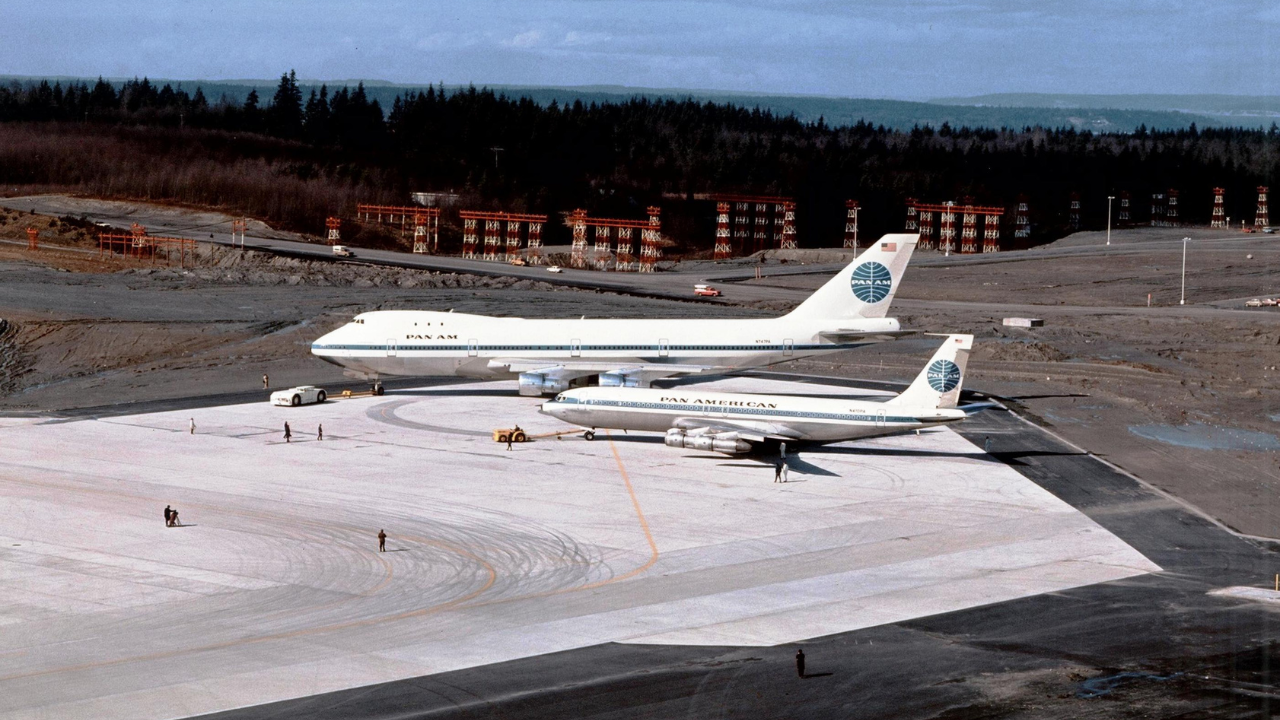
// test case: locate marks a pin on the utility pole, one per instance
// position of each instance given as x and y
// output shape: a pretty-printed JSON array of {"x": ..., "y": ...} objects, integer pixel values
[
  {"x": 1109, "y": 199},
  {"x": 1183, "y": 300}
]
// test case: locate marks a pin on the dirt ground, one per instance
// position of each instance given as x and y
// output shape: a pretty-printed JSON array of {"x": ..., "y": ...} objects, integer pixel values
[{"x": 1185, "y": 397}]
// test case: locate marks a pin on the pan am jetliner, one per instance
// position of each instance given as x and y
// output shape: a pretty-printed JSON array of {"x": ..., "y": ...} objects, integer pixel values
[
  {"x": 549, "y": 356},
  {"x": 733, "y": 422}
]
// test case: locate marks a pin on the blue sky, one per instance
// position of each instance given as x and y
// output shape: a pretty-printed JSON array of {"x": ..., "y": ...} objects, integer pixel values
[{"x": 874, "y": 48}]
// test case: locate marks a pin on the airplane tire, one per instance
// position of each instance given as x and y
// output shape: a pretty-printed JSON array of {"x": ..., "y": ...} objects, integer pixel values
[
  {"x": 589, "y": 435},
  {"x": 377, "y": 389}
]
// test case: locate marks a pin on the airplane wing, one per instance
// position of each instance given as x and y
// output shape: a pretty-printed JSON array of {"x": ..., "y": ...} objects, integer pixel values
[
  {"x": 645, "y": 372},
  {"x": 749, "y": 430},
  {"x": 850, "y": 335}
]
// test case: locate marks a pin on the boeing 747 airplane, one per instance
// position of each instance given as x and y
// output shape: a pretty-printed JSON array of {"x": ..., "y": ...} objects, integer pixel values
[
  {"x": 734, "y": 423},
  {"x": 550, "y": 356}
]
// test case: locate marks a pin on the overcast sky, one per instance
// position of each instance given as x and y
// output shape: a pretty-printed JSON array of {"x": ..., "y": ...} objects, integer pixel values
[{"x": 859, "y": 48}]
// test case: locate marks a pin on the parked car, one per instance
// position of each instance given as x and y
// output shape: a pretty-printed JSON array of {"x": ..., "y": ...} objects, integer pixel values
[
  {"x": 301, "y": 395},
  {"x": 554, "y": 269},
  {"x": 343, "y": 251},
  {"x": 705, "y": 291}
]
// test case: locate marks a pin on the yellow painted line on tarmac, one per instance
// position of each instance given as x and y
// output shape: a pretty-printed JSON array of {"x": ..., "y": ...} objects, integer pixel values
[{"x": 644, "y": 525}]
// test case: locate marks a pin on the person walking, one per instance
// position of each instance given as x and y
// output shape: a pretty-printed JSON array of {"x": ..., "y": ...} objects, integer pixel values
[
  {"x": 288, "y": 435},
  {"x": 986, "y": 445},
  {"x": 800, "y": 662},
  {"x": 266, "y": 382},
  {"x": 173, "y": 519},
  {"x": 319, "y": 432},
  {"x": 382, "y": 541},
  {"x": 168, "y": 513},
  {"x": 786, "y": 469},
  {"x": 509, "y": 436},
  {"x": 777, "y": 471},
  {"x": 193, "y": 426}
]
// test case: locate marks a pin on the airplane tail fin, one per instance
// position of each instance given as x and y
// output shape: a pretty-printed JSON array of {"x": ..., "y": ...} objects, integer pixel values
[
  {"x": 938, "y": 385},
  {"x": 865, "y": 288}
]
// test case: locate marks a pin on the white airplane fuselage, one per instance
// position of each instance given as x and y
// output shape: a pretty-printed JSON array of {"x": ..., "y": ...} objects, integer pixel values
[
  {"x": 430, "y": 343},
  {"x": 816, "y": 420}
]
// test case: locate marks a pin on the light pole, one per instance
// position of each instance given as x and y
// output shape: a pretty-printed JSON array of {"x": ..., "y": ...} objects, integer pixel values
[
  {"x": 1109, "y": 199},
  {"x": 1183, "y": 300}
]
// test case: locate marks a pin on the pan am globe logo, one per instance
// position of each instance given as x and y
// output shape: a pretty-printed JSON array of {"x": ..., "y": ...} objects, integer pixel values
[
  {"x": 871, "y": 282},
  {"x": 943, "y": 375}
]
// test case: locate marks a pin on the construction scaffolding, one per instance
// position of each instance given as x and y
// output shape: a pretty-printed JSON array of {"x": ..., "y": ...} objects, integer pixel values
[
  {"x": 723, "y": 249},
  {"x": 1159, "y": 204},
  {"x": 238, "y": 227},
  {"x": 602, "y": 256},
  {"x": 969, "y": 214},
  {"x": 335, "y": 230},
  {"x": 1022, "y": 219},
  {"x": 1219, "y": 218},
  {"x": 912, "y": 216},
  {"x": 1171, "y": 217},
  {"x": 423, "y": 221},
  {"x": 1122, "y": 217},
  {"x": 769, "y": 211},
  {"x": 139, "y": 245},
  {"x": 33, "y": 238},
  {"x": 1073, "y": 212},
  {"x": 1263, "y": 218},
  {"x": 502, "y": 234},
  {"x": 851, "y": 224}
]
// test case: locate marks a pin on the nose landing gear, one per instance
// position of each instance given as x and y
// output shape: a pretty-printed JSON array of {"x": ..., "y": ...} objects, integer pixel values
[{"x": 589, "y": 435}]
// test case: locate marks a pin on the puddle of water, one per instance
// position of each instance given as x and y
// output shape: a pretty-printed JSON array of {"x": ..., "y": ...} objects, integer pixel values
[
  {"x": 1099, "y": 686},
  {"x": 1207, "y": 437}
]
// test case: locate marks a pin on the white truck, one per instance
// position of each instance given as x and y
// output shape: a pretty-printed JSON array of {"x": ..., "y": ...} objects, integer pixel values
[
  {"x": 301, "y": 395},
  {"x": 343, "y": 251}
]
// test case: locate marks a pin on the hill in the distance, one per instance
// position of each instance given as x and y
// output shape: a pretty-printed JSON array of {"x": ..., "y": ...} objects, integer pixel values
[{"x": 1099, "y": 113}]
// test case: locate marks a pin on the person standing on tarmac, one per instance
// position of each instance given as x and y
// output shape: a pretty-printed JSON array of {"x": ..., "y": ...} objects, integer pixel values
[
  {"x": 288, "y": 435},
  {"x": 319, "y": 432},
  {"x": 382, "y": 541},
  {"x": 266, "y": 382},
  {"x": 168, "y": 513},
  {"x": 777, "y": 471},
  {"x": 786, "y": 469},
  {"x": 800, "y": 662},
  {"x": 193, "y": 426}
]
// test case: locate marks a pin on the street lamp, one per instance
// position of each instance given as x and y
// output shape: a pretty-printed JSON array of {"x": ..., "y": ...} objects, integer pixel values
[
  {"x": 1183, "y": 300},
  {"x": 1109, "y": 199}
]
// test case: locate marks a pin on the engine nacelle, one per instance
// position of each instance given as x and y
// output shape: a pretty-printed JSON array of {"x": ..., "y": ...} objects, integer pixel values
[
  {"x": 618, "y": 380},
  {"x": 536, "y": 384},
  {"x": 727, "y": 443}
]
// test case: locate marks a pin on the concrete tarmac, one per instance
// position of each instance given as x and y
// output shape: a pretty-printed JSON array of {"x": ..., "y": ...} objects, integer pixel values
[
  {"x": 273, "y": 588},
  {"x": 1153, "y": 645}
]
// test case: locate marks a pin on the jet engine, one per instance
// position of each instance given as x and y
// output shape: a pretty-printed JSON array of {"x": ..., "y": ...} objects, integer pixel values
[
  {"x": 728, "y": 443},
  {"x": 619, "y": 380},
  {"x": 537, "y": 384}
]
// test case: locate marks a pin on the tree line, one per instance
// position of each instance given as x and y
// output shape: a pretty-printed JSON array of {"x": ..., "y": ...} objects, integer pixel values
[{"x": 612, "y": 158}]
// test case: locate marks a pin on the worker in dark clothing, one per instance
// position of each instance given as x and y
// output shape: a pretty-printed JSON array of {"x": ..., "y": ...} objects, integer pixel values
[
  {"x": 382, "y": 541},
  {"x": 777, "y": 471},
  {"x": 800, "y": 662},
  {"x": 509, "y": 436},
  {"x": 288, "y": 435},
  {"x": 173, "y": 519},
  {"x": 168, "y": 513},
  {"x": 320, "y": 432}
]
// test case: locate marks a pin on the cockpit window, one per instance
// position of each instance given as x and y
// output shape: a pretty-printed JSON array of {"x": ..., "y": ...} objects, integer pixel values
[{"x": 560, "y": 397}]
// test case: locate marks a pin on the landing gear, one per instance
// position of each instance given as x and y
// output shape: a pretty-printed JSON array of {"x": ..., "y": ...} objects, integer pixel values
[
  {"x": 377, "y": 388},
  {"x": 589, "y": 435}
]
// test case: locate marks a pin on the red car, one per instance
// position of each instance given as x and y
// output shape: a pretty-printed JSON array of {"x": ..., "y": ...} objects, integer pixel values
[{"x": 705, "y": 291}]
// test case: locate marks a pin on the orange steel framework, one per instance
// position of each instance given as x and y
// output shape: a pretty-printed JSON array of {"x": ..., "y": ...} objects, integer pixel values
[
  {"x": 784, "y": 231},
  {"x": 1122, "y": 216},
  {"x": 1219, "y": 218},
  {"x": 1171, "y": 210},
  {"x": 33, "y": 238},
  {"x": 946, "y": 213},
  {"x": 425, "y": 222},
  {"x": 138, "y": 244},
  {"x": 1263, "y": 218},
  {"x": 603, "y": 228},
  {"x": 1073, "y": 212},
  {"x": 851, "y": 224},
  {"x": 335, "y": 230},
  {"x": 494, "y": 224},
  {"x": 238, "y": 226}
]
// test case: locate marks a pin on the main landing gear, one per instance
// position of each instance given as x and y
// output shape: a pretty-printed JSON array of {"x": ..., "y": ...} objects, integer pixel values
[
  {"x": 376, "y": 389},
  {"x": 589, "y": 435}
]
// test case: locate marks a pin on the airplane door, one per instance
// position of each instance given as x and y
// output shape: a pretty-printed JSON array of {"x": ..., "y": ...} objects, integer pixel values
[
  {"x": 664, "y": 347},
  {"x": 879, "y": 418},
  {"x": 472, "y": 347},
  {"x": 575, "y": 348},
  {"x": 391, "y": 347},
  {"x": 787, "y": 346}
]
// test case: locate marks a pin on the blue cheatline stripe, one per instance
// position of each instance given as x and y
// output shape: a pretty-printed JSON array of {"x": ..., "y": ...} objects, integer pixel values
[
  {"x": 567, "y": 348},
  {"x": 772, "y": 412}
]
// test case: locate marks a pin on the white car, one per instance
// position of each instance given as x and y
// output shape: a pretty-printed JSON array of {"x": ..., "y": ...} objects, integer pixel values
[
  {"x": 301, "y": 395},
  {"x": 554, "y": 269}
]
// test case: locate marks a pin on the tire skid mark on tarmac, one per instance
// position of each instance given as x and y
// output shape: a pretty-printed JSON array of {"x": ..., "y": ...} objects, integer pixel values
[{"x": 386, "y": 413}]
